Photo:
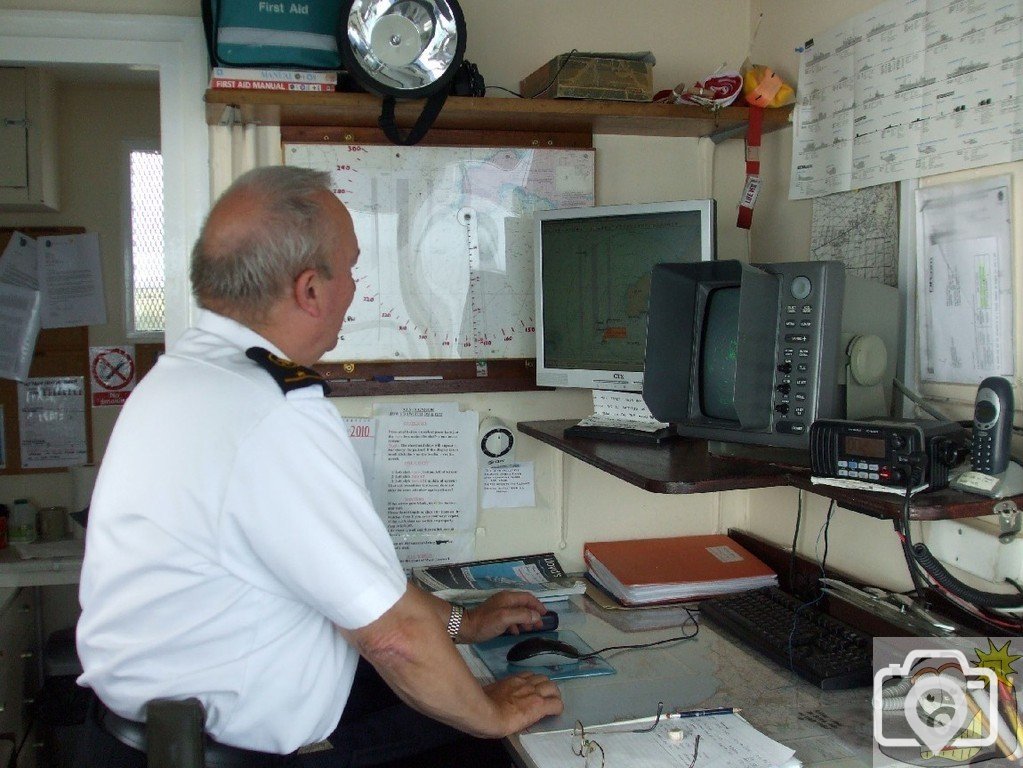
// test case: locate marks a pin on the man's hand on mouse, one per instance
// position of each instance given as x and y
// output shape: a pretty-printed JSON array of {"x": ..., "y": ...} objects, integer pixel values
[
  {"x": 512, "y": 611},
  {"x": 523, "y": 699}
]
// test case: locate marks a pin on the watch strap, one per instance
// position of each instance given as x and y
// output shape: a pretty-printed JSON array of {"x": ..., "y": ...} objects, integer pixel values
[{"x": 455, "y": 621}]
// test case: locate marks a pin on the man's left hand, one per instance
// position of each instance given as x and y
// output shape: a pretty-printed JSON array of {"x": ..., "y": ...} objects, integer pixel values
[{"x": 512, "y": 611}]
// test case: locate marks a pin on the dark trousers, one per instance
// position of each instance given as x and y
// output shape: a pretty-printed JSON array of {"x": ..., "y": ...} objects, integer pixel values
[{"x": 376, "y": 729}]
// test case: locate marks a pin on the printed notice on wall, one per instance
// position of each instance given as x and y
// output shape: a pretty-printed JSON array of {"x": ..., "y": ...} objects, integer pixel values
[
  {"x": 71, "y": 281},
  {"x": 51, "y": 419},
  {"x": 964, "y": 279},
  {"x": 363, "y": 434},
  {"x": 508, "y": 485},
  {"x": 425, "y": 483}
]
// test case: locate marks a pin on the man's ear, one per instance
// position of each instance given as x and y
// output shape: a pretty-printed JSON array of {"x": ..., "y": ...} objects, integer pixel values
[{"x": 306, "y": 292}]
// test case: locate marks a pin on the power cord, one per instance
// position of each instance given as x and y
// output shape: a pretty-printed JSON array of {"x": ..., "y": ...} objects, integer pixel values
[
  {"x": 919, "y": 557},
  {"x": 822, "y": 534},
  {"x": 547, "y": 85},
  {"x": 690, "y": 619}
]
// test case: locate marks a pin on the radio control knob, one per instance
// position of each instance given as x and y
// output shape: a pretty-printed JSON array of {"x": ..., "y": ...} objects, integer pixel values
[
  {"x": 898, "y": 442},
  {"x": 782, "y": 408},
  {"x": 784, "y": 388},
  {"x": 785, "y": 368},
  {"x": 898, "y": 477}
]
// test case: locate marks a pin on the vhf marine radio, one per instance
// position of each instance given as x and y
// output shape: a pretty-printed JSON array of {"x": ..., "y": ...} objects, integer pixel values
[{"x": 898, "y": 453}]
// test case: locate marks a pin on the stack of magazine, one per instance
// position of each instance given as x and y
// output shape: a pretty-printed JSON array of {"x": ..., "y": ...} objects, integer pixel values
[{"x": 540, "y": 574}]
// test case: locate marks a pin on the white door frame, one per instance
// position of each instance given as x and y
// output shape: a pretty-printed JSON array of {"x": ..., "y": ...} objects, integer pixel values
[{"x": 175, "y": 46}]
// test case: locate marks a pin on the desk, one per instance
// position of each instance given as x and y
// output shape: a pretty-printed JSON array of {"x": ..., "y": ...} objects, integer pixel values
[
  {"x": 39, "y": 572},
  {"x": 826, "y": 728}
]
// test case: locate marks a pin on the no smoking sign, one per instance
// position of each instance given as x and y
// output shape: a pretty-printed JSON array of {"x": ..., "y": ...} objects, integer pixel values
[{"x": 112, "y": 370}]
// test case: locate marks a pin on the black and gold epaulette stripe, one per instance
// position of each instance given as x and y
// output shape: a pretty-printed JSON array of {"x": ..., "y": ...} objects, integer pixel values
[{"x": 288, "y": 375}]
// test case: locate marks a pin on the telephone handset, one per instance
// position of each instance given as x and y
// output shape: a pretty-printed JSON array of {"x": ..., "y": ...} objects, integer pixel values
[{"x": 992, "y": 426}]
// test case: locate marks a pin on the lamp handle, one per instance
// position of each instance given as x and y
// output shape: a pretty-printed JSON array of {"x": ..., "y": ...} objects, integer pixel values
[{"x": 430, "y": 111}]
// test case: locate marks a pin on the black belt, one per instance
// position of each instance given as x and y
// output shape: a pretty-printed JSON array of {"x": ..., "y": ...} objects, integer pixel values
[{"x": 217, "y": 755}]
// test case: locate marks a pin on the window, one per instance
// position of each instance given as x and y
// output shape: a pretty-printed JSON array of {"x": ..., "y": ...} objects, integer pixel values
[{"x": 144, "y": 264}]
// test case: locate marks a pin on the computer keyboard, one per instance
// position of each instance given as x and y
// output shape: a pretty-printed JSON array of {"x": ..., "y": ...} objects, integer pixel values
[{"x": 821, "y": 649}]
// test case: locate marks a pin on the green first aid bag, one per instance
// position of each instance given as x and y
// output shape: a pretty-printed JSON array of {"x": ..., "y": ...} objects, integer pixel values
[{"x": 272, "y": 33}]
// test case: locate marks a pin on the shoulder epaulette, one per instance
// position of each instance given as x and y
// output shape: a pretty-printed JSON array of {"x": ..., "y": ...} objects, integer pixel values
[{"x": 288, "y": 375}]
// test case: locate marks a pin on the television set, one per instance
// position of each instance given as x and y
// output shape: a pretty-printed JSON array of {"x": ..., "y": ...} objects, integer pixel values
[
  {"x": 752, "y": 355},
  {"x": 593, "y": 268}
]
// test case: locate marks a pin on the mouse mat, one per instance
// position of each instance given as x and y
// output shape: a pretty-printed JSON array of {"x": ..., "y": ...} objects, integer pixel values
[{"x": 493, "y": 653}]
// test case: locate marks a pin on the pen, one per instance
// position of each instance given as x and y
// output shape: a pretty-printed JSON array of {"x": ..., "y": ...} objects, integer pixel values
[{"x": 706, "y": 712}]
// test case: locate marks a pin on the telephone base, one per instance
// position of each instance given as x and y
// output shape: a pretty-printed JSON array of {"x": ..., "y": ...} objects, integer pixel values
[{"x": 1007, "y": 483}]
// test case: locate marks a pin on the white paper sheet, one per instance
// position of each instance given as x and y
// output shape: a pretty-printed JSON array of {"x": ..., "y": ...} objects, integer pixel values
[
  {"x": 508, "y": 485},
  {"x": 726, "y": 741},
  {"x": 906, "y": 90},
  {"x": 363, "y": 434},
  {"x": 425, "y": 483},
  {"x": 71, "y": 281},
  {"x": 20, "y": 309},
  {"x": 19, "y": 264},
  {"x": 51, "y": 419},
  {"x": 964, "y": 274}
]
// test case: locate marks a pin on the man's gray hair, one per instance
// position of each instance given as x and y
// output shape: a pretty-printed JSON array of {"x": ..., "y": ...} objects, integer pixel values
[{"x": 288, "y": 235}]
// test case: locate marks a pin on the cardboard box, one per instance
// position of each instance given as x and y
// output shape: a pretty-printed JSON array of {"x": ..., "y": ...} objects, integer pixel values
[{"x": 590, "y": 77}]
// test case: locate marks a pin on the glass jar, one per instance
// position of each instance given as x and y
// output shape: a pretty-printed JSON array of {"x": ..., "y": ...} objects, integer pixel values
[{"x": 21, "y": 527}]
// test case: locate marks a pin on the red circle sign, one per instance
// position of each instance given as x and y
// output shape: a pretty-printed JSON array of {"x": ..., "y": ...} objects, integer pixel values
[{"x": 113, "y": 369}]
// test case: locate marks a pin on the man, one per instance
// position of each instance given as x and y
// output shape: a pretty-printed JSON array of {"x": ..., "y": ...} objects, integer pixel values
[{"x": 233, "y": 554}]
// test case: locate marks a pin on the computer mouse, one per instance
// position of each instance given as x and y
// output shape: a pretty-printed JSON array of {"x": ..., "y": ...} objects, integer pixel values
[{"x": 542, "y": 652}]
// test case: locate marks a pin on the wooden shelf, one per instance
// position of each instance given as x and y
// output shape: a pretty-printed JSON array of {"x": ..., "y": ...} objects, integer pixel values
[
  {"x": 542, "y": 116},
  {"x": 680, "y": 466},
  {"x": 685, "y": 466}
]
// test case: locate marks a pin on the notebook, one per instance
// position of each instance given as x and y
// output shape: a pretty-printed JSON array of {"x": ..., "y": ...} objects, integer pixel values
[{"x": 644, "y": 571}]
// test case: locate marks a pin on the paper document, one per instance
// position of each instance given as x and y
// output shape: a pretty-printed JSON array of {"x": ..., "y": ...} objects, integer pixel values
[
  {"x": 726, "y": 741},
  {"x": 71, "y": 281},
  {"x": 51, "y": 419},
  {"x": 19, "y": 328},
  {"x": 964, "y": 279},
  {"x": 621, "y": 410},
  {"x": 510, "y": 485},
  {"x": 19, "y": 264},
  {"x": 425, "y": 486}
]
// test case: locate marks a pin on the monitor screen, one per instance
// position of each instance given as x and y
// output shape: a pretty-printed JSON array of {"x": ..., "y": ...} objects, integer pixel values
[
  {"x": 593, "y": 270},
  {"x": 719, "y": 352}
]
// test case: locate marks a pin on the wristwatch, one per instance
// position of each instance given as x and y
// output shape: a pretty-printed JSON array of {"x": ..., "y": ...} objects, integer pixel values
[{"x": 455, "y": 621}]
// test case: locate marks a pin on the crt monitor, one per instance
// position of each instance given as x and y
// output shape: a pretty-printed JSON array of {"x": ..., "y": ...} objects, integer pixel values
[
  {"x": 592, "y": 273},
  {"x": 754, "y": 354}
]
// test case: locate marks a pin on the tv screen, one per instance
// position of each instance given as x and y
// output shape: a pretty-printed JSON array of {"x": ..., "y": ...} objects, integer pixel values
[
  {"x": 593, "y": 269},
  {"x": 719, "y": 352}
]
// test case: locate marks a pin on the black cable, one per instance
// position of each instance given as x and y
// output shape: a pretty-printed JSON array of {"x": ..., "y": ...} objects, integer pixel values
[
  {"x": 549, "y": 83},
  {"x": 978, "y": 597},
  {"x": 920, "y": 555},
  {"x": 795, "y": 537},
  {"x": 690, "y": 618},
  {"x": 827, "y": 526}
]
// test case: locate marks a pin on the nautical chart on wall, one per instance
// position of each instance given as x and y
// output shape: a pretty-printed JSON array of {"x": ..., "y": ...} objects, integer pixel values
[{"x": 446, "y": 236}]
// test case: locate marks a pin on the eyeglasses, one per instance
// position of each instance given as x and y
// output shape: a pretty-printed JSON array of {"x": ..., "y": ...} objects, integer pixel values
[
  {"x": 593, "y": 754},
  {"x": 590, "y": 751}
]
